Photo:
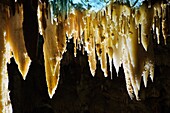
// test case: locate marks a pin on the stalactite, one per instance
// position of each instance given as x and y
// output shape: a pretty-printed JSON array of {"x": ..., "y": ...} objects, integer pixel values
[
  {"x": 54, "y": 47},
  {"x": 164, "y": 22},
  {"x": 16, "y": 40},
  {"x": 5, "y": 104}
]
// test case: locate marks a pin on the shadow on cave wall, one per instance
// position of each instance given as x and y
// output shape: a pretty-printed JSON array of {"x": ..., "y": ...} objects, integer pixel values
[{"x": 78, "y": 91}]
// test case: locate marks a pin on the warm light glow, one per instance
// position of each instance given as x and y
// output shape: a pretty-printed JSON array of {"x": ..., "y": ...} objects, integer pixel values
[
  {"x": 5, "y": 92},
  {"x": 16, "y": 41},
  {"x": 5, "y": 104},
  {"x": 115, "y": 34},
  {"x": 117, "y": 31}
]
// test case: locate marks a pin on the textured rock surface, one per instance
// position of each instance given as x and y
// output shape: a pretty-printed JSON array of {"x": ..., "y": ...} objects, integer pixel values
[{"x": 78, "y": 91}]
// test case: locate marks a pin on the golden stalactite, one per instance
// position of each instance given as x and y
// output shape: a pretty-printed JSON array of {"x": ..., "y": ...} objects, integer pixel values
[
  {"x": 5, "y": 55},
  {"x": 54, "y": 47},
  {"x": 164, "y": 22},
  {"x": 16, "y": 40}
]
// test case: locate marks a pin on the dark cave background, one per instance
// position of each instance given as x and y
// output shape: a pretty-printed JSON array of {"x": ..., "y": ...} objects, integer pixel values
[{"x": 78, "y": 91}]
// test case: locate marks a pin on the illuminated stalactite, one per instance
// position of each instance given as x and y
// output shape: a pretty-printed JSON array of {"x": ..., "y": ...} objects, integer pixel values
[
  {"x": 12, "y": 44},
  {"x": 119, "y": 32},
  {"x": 5, "y": 104},
  {"x": 54, "y": 47},
  {"x": 16, "y": 40}
]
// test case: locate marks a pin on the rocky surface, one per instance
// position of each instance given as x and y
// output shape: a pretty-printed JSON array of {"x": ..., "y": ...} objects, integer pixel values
[{"x": 78, "y": 91}]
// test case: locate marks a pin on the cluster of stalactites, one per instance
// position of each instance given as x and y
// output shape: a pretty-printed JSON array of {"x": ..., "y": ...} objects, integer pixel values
[
  {"x": 118, "y": 32},
  {"x": 122, "y": 34}
]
